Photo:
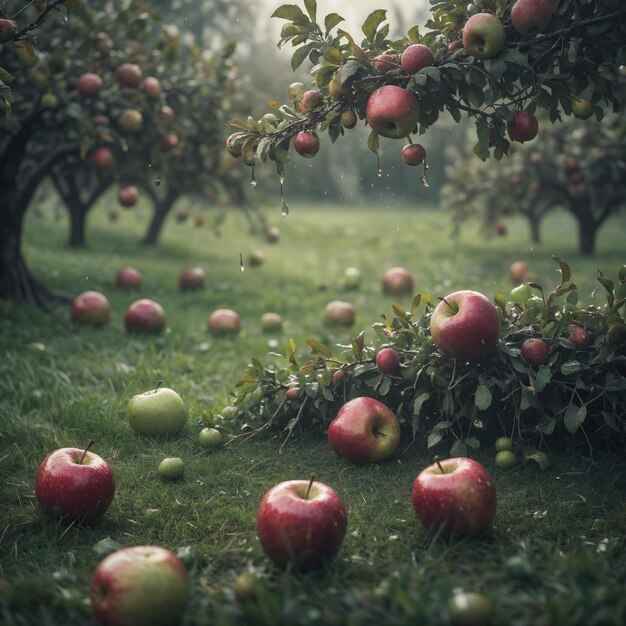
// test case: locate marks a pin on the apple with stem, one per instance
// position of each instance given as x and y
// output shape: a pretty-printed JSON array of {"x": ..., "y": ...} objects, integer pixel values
[
  {"x": 140, "y": 585},
  {"x": 465, "y": 324},
  {"x": 224, "y": 322},
  {"x": 531, "y": 16},
  {"x": 306, "y": 143},
  {"x": 413, "y": 154},
  {"x": 535, "y": 351},
  {"x": 522, "y": 127},
  {"x": 301, "y": 523},
  {"x": 309, "y": 101},
  {"x": 349, "y": 119},
  {"x": 192, "y": 279},
  {"x": 506, "y": 459},
  {"x": 503, "y": 444},
  {"x": 145, "y": 316},
  {"x": 157, "y": 412},
  {"x": 89, "y": 85},
  {"x": 210, "y": 438},
  {"x": 339, "y": 313},
  {"x": 455, "y": 497},
  {"x": 128, "y": 278},
  {"x": 416, "y": 57},
  {"x": 364, "y": 431},
  {"x": 392, "y": 111},
  {"x": 90, "y": 308},
  {"x": 484, "y": 36},
  {"x": 397, "y": 281},
  {"x": 75, "y": 485}
]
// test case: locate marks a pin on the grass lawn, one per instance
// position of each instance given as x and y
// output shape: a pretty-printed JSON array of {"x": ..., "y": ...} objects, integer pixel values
[{"x": 556, "y": 555}]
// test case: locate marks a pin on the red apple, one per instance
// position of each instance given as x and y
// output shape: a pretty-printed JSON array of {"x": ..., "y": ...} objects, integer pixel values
[
  {"x": 166, "y": 113},
  {"x": 306, "y": 143},
  {"x": 89, "y": 85},
  {"x": 465, "y": 324},
  {"x": 128, "y": 196},
  {"x": 523, "y": 126},
  {"x": 364, "y": 431},
  {"x": 457, "y": 44},
  {"x": 151, "y": 86},
  {"x": 387, "y": 360},
  {"x": 416, "y": 57},
  {"x": 385, "y": 63},
  {"x": 518, "y": 272},
  {"x": 301, "y": 523},
  {"x": 397, "y": 281},
  {"x": 392, "y": 111},
  {"x": 413, "y": 154},
  {"x": 140, "y": 585},
  {"x": 100, "y": 120},
  {"x": 7, "y": 30},
  {"x": 90, "y": 308},
  {"x": 182, "y": 215},
  {"x": 339, "y": 313},
  {"x": 483, "y": 36},
  {"x": 169, "y": 142},
  {"x": 531, "y": 15},
  {"x": 580, "y": 337},
  {"x": 128, "y": 75},
  {"x": 192, "y": 279},
  {"x": 256, "y": 258},
  {"x": 293, "y": 393},
  {"x": 131, "y": 121},
  {"x": 145, "y": 316},
  {"x": 75, "y": 485},
  {"x": 310, "y": 101},
  {"x": 128, "y": 278},
  {"x": 101, "y": 159},
  {"x": 455, "y": 497},
  {"x": 224, "y": 322},
  {"x": 500, "y": 229},
  {"x": 535, "y": 351}
]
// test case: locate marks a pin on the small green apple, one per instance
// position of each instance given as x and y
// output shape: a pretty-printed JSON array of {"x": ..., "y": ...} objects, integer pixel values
[
  {"x": 504, "y": 444},
  {"x": 271, "y": 322},
  {"x": 172, "y": 468},
  {"x": 160, "y": 411},
  {"x": 520, "y": 294},
  {"x": 245, "y": 587},
  {"x": 506, "y": 459},
  {"x": 352, "y": 278},
  {"x": 230, "y": 412},
  {"x": 210, "y": 438},
  {"x": 469, "y": 608}
]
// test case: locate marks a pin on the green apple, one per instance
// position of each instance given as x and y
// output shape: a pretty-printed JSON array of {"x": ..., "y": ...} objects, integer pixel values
[
  {"x": 582, "y": 108},
  {"x": 172, "y": 468},
  {"x": 504, "y": 444},
  {"x": 210, "y": 438},
  {"x": 160, "y": 411},
  {"x": 352, "y": 278},
  {"x": 245, "y": 587},
  {"x": 469, "y": 608},
  {"x": 506, "y": 459},
  {"x": 483, "y": 36},
  {"x": 520, "y": 294}
]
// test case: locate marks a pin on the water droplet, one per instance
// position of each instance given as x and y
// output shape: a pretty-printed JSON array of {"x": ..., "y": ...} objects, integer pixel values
[
  {"x": 241, "y": 267},
  {"x": 284, "y": 211},
  {"x": 252, "y": 178},
  {"x": 380, "y": 173}
]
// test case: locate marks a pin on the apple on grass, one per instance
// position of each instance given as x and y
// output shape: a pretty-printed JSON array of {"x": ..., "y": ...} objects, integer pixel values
[
  {"x": 90, "y": 308},
  {"x": 364, "y": 431},
  {"x": 483, "y": 36},
  {"x": 455, "y": 497},
  {"x": 210, "y": 438},
  {"x": 224, "y": 322},
  {"x": 465, "y": 324},
  {"x": 506, "y": 459},
  {"x": 392, "y": 111},
  {"x": 469, "y": 608},
  {"x": 256, "y": 258},
  {"x": 75, "y": 485},
  {"x": 397, "y": 281},
  {"x": 351, "y": 278},
  {"x": 141, "y": 585},
  {"x": 171, "y": 468},
  {"x": 245, "y": 587},
  {"x": 271, "y": 322},
  {"x": 157, "y": 412},
  {"x": 192, "y": 279},
  {"x": 128, "y": 278},
  {"x": 339, "y": 313},
  {"x": 301, "y": 523},
  {"x": 145, "y": 316}
]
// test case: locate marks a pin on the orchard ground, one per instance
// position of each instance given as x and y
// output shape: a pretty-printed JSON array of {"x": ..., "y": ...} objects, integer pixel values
[{"x": 556, "y": 555}]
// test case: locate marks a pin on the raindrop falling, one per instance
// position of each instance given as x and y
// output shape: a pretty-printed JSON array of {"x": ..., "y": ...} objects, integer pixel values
[
  {"x": 241, "y": 267},
  {"x": 285, "y": 207},
  {"x": 252, "y": 178},
  {"x": 380, "y": 169},
  {"x": 158, "y": 181},
  {"x": 284, "y": 211}
]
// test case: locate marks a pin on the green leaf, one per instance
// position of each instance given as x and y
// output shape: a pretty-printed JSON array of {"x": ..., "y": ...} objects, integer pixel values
[
  {"x": 434, "y": 438},
  {"x": 372, "y": 22},
  {"x": 311, "y": 9},
  {"x": 288, "y": 12},
  {"x": 299, "y": 56},
  {"x": 331, "y": 20},
  {"x": 615, "y": 382},
  {"x": 571, "y": 367},
  {"x": 481, "y": 149},
  {"x": 317, "y": 347},
  {"x": 566, "y": 272},
  {"x": 334, "y": 56},
  {"x": 574, "y": 417},
  {"x": 482, "y": 397},
  {"x": 290, "y": 351},
  {"x": 544, "y": 374},
  {"x": 540, "y": 458},
  {"x": 473, "y": 443},
  {"x": 414, "y": 34},
  {"x": 419, "y": 402},
  {"x": 458, "y": 448},
  {"x": 106, "y": 546}
]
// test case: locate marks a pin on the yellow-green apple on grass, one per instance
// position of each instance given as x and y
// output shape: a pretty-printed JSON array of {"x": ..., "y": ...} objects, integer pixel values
[
  {"x": 171, "y": 468},
  {"x": 465, "y": 324},
  {"x": 397, "y": 281},
  {"x": 141, "y": 585},
  {"x": 364, "y": 431},
  {"x": 224, "y": 322},
  {"x": 470, "y": 608},
  {"x": 75, "y": 485},
  {"x": 157, "y": 412},
  {"x": 352, "y": 278},
  {"x": 128, "y": 278},
  {"x": 271, "y": 322},
  {"x": 245, "y": 587},
  {"x": 301, "y": 523},
  {"x": 192, "y": 279},
  {"x": 413, "y": 154},
  {"x": 339, "y": 313},
  {"x": 89, "y": 85},
  {"x": 306, "y": 143},
  {"x": 387, "y": 360},
  {"x": 210, "y": 438},
  {"x": 455, "y": 497},
  {"x": 506, "y": 459},
  {"x": 535, "y": 351},
  {"x": 90, "y": 308},
  {"x": 392, "y": 111},
  {"x": 579, "y": 336},
  {"x": 145, "y": 316},
  {"x": 128, "y": 196},
  {"x": 531, "y": 16},
  {"x": 522, "y": 127},
  {"x": 256, "y": 258},
  {"x": 582, "y": 108},
  {"x": 129, "y": 75},
  {"x": 272, "y": 234},
  {"x": 483, "y": 36},
  {"x": 416, "y": 57}
]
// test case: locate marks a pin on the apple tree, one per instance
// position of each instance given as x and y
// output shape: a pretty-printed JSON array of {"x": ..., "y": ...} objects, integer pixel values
[{"x": 579, "y": 167}]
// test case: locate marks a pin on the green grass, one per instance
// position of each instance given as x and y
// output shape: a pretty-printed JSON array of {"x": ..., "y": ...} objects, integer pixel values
[{"x": 556, "y": 554}]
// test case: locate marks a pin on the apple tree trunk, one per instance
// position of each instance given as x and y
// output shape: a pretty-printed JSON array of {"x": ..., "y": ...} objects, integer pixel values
[{"x": 162, "y": 207}]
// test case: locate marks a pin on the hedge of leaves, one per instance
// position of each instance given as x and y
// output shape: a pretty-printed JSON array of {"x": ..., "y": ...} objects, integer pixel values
[{"x": 442, "y": 401}]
